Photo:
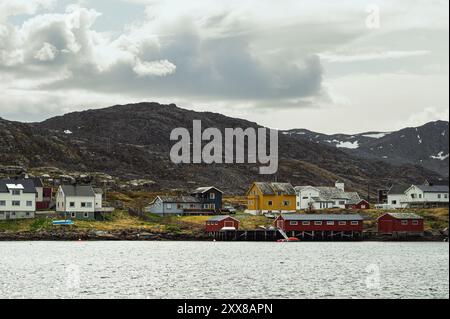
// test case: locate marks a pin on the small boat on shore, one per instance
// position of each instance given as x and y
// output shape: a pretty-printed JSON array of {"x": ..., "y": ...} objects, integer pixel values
[{"x": 67, "y": 222}]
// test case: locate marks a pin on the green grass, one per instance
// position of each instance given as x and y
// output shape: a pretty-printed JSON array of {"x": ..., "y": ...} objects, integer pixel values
[{"x": 435, "y": 219}]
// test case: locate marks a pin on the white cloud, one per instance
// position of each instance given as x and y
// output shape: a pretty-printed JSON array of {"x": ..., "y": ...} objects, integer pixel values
[
  {"x": 330, "y": 57},
  {"x": 158, "y": 68},
  {"x": 259, "y": 59},
  {"x": 48, "y": 52}
]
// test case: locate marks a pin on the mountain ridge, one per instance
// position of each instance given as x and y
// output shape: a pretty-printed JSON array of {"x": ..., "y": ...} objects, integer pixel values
[{"x": 132, "y": 141}]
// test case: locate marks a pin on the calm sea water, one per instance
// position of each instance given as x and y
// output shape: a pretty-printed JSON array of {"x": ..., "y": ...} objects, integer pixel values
[{"x": 223, "y": 270}]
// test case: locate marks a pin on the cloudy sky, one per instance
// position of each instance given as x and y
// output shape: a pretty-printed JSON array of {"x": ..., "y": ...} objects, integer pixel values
[{"x": 330, "y": 66}]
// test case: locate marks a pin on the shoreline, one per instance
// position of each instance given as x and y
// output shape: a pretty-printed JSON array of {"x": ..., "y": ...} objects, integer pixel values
[{"x": 134, "y": 235}]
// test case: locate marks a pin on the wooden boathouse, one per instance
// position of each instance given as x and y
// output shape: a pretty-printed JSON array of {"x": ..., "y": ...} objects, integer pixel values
[{"x": 321, "y": 226}]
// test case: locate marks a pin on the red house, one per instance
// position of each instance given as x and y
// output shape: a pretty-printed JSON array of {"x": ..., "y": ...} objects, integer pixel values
[
  {"x": 326, "y": 224},
  {"x": 358, "y": 204},
  {"x": 394, "y": 223},
  {"x": 218, "y": 223}
]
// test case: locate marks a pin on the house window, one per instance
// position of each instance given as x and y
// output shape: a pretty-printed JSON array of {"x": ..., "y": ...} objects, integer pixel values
[
  {"x": 306, "y": 223},
  {"x": 330, "y": 223},
  {"x": 89, "y": 205},
  {"x": 212, "y": 196},
  {"x": 342, "y": 223},
  {"x": 72, "y": 204},
  {"x": 27, "y": 214},
  {"x": 16, "y": 203},
  {"x": 83, "y": 205},
  {"x": 342, "y": 202},
  {"x": 420, "y": 195},
  {"x": 270, "y": 203},
  {"x": 294, "y": 223},
  {"x": 2, "y": 203},
  {"x": 86, "y": 215},
  {"x": 305, "y": 197},
  {"x": 355, "y": 222},
  {"x": 16, "y": 192},
  {"x": 286, "y": 203},
  {"x": 394, "y": 202},
  {"x": 413, "y": 196},
  {"x": 404, "y": 222},
  {"x": 169, "y": 206},
  {"x": 73, "y": 215},
  {"x": 318, "y": 222},
  {"x": 29, "y": 203},
  {"x": 445, "y": 195},
  {"x": 415, "y": 222}
]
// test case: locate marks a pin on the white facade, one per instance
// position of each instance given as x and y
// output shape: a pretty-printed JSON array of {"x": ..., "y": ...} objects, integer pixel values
[
  {"x": 77, "y": 204},
  {"x": 16, "y": 204},
  {"x": 419, "y": 194},
  {"x": 321, "y": 197},
  {"x": 415, "y": 195},
  {"x": 397, "y": 201}
]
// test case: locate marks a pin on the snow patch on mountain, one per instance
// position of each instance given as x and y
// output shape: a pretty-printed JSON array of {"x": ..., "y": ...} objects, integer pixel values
[
  {"x": 440, "y": 156},
  {"x": 350, "y": 145},
  {"x": 376, "y": 135}
]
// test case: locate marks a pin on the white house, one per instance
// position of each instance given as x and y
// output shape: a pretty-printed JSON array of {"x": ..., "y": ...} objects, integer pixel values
[
  {"x": 418, "y": 196},
  {"x": 319, "y": 197},
  {"x": 397, "y": 197},
  {"x": 17, "y": 199},
  {"x": 79, "y": 202}
]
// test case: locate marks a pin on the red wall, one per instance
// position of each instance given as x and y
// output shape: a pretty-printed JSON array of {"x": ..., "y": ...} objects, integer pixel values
[
  {"x": 42, "y": 205},
  {"x": 388, "y": 225},
  {"x": 324, "y": 227},
  {"x": 359, "y": 205},
  {"x": 221, "y": 224}
]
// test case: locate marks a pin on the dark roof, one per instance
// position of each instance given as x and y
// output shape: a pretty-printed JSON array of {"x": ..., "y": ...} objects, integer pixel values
[
  {"x": 37, "y": 182},
  {"x": 398, "y": 189},
  {"x": 178, "y": 199},
  {"x": 219, "y": 218},
  {"x": 404, "y": 215},
  {"x": 202, "y": 190},
  {"x": 274, "y": 188},
  {"x": 78, "y": 190},
  {"x": 28, "y": 185},
  {"x": 312, "y": 217},
  {"x": 433, "y": 189}
]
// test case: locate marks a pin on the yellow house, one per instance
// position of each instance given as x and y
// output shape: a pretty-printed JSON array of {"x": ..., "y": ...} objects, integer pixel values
[{"x": 271, "y": 198}]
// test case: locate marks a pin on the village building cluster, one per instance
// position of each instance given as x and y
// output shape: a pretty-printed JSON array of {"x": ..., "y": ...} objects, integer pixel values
[{"x": 22, "y": 198}]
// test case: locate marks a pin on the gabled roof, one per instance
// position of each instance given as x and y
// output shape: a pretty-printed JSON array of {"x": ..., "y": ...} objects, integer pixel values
[
  {"x": 357, "y": 201},
  {"x": 330, "y": 217},
  {"x": 268, "y": 188},
  {"x": 27, "y": 184},
  {"x": 220, "y": 218},
  {"x": 404, "y": 215},
  {"x": 399, "y": 189},
  {"x": 433, "y": 189},
  {"x": 178, "y": 199},
  {"x": 329, "y": 194},
  {"x": 201, "y": 190},
  {"x": 78, "y": 190}
]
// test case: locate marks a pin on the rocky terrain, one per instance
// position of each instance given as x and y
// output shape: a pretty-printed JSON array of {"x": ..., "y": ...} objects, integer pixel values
[
  {"x": 130, "y": 144},
  {"x": 425, "y": 146}
]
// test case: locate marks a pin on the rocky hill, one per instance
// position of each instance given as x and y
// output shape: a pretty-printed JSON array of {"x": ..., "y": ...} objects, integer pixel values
[
  {"x": 132, "y": 142},
  {"x": 426, "y": 146}
]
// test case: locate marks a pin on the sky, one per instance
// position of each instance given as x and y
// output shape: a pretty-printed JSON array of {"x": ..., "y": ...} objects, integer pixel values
[{"x": 328, "y": 66}]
